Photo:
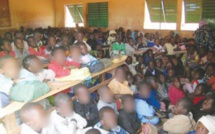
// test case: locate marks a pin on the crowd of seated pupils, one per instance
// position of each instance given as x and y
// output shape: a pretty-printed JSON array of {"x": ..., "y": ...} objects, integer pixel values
[{"x": 155, "y": 91}]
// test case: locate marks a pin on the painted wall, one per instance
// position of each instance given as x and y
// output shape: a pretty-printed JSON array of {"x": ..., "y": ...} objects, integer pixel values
[
  {"x": 126, "y": 13},
  {"x": 31, "y": 13}
]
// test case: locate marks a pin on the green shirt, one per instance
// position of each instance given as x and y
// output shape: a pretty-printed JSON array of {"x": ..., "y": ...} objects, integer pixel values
[{"x": 118, "y": 49}]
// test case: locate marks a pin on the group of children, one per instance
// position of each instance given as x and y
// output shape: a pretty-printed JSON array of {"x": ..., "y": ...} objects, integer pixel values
[{"x": 155, "y": 91}]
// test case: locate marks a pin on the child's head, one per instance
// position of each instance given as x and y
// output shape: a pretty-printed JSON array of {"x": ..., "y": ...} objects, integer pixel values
[
  {"x": 128, "y": 60},
  {"x": 118, "y": 38},
  {"x": 19, "y": 43},
  {"x": 79, "y": 36},
  {"x": 159, "y": 63},
  {"x": 100, "y": 54},
  {"x": 37, "y": 35},
  {"x": 82, "y": 94},
  {"x": 51, "y": 40},
  {"x": 63, "y": 105},
  {"x": 210, "y": 69},
  {"x": 32, "y": 63},
  {"x": 171, "y": 72},
  {"x": 176, "y": 82},
  {"x": 83, "y": 47},
  {"x": 198, "y": 74},
  {"x": 9, "y": 66},
  {"x": 138, "y": 78},
  {"x": 172, "y": 40},
  {"x": 34, "y": 115},
  {"x": 143, "y": 89},
  {"x": 105, "y": 94},
  {"x": 162, "y": 78},
  {"x": 75, "y": 53},
  {"x": 201, "y": 89},
  {"x": 120, "y": 74},
  {"x": 151, "y": 64},
  {"x": 209, "y": 104},
  {"x": 183, "y": 106},
  {"x": 130, "y": 78},
  {"x": 59, "y": 55},
  {"x": 206, "y": 125},
  {"x": 5, "y": 45},
  {"x": 157, "y": 42},
  {"x": 131, "y": 42},
  {"x": 128, "y": 103},
  {"x": 152, "y": 81},
  {"x": 140, "y": 59},
  {"x": 108, "y": 118},
  {"x": 93, "y": 131},
  {"x": 31, "y": 42}
]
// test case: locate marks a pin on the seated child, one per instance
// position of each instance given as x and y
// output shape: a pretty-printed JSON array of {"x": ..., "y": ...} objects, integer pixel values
[
  {"x": 65, "y": 120},
  {"x": 199, "y": 93},
  {"x": 33, "y": 64},
  {"x": 35, "y": 120},
  {"x": 108, "y": 122},
  {"x": 34, "y": 49},
  {"x": 151, "y": 70},
  {"x": 20, "y": 52},
  {"x": 129, "y": 62},
  {"x": 210, "y": 75},
  {"x": 119, "y": 86},
  {"x": 106, "y": 99},
  {"x": 130, "y": 79},
  {"x": 59, "y": 64},
  {"x": 51, "y": 44},
  {"x": 127, "y": 118},
  {"x": 84, "y": 106},
  {"x": 75, "y": 56},
  {"x": 175, "y": 92},
  {"x": 9, "y": 73},
  {"x": 198, "y": 76},
  {"x": 205, "y": 125},
  {"x": 118, "y": 48},
  {"x": 206, "y": 108},
  {"x": 182, "y": 121},
  {"x": 6, "y": 48},
  {"x": 145, "y": 112},
  {"x": 162, "y": 88}
]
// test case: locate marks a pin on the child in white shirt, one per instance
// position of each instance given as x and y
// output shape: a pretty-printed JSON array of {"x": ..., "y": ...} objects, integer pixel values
[{"x": 65, "y": 120}]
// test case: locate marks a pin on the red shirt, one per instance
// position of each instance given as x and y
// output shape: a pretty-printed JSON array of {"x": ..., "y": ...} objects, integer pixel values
[
  {"x": 40, "y": 51},
  {"x": 197, "y": 99},
  {"x": 61, "y": 71},
  {"x": 175, "y": 94},
  {"x": 12, "y": 53}
]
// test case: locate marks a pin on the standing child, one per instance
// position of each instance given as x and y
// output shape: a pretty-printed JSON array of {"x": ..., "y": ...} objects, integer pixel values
[
  {"x": 145, "y": 112},
  {"x": 106, "y": 99},
  {"x": 175, "y": 92},
  {"x": 182, "y": 121},
  {"x": 127, "y": 115},
  {"x": 84, "y": 106},
  {"x": 6, "y": 48},
  {"x": 108, "y": 122},
  {"x": 65, "y": 120}
]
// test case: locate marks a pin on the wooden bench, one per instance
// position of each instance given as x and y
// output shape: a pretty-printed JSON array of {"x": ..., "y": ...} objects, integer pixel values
[{"x": 9, "y": 119}]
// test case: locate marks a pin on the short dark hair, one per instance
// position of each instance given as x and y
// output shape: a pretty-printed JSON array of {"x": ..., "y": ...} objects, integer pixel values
[
  {"x": 201, "y": 72},
  {"x": 55, "y": 49},
  {"x": 93, "y": 131},
  {"x": 59, "y": 98},
  {"x": 103, "y": 110},
  {"x": 187, "y": 103},
  {"x": 30, "y": 37},
  {"x": 126, "y": 97},
  {"x": 118, "y": 68},
  {"x": 77, "y": 87},
  {"x": 3, "y": 40},
  {"x": 51, "y": 36},
  {"x": 27, "y": 61},
  {"x": 204, "y": 87},
  {"x": 141, "y": 84},
  {"x": 17, "y": 38}
]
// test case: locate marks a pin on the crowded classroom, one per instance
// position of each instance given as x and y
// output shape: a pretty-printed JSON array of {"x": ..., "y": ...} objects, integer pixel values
[{"x": 107, "y": 67}]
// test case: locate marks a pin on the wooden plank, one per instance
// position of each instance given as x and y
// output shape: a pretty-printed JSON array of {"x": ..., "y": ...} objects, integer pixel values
[
  {"x": 100, "y": 85},
  {"x": 15, "y": 106}
]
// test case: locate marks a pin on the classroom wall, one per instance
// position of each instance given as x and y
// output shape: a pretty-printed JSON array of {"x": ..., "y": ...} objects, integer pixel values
[
  {"x": 126, "y": 13},
  {"x": 30, "y": 13}
]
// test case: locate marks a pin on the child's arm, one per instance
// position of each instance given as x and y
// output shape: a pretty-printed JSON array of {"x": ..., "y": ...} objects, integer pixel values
[{"x": 93, "y": 113}]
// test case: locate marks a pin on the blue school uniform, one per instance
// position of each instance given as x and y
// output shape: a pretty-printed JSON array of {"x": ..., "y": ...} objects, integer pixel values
[{"x": 152, "y": 100}]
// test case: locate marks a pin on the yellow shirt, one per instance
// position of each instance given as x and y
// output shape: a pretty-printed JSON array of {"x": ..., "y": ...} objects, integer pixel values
[
  {"x": 169, "y": 47},
  {"x": 119, "y": 88}
]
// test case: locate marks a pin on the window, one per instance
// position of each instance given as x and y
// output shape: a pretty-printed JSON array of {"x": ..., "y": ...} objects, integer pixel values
[
  {"x": 191, "y": 14},
  {"x": 74, "y": 15},
  {"x": 208, "y": 13},
  {"x": 97, "y": 14},
  {"x": 4, "y": 14},
  {"x": 160, "y": 15}
]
